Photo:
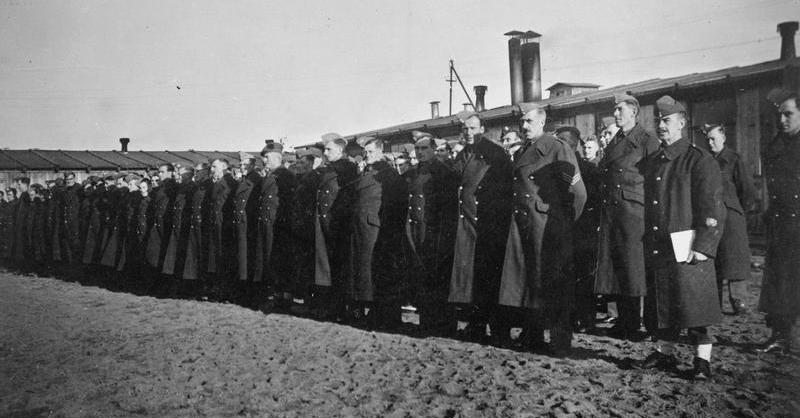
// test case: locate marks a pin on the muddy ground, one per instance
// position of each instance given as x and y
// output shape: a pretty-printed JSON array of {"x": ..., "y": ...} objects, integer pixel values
[{"x": 72, "y": 350}]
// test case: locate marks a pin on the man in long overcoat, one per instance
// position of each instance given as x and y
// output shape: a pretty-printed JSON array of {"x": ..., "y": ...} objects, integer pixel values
[
  {"x": 21, "y": 221},
  {"x": 333, "y": 206},
  {"x": 175, "y": 254},
  {"x": 221, "y": 245},
  {"x": 738, "y": 192},
  {"x": 780, "y": 291},
  {"x": 378, "y": 215},
  {"x": 304, "y": 222},
  {"x": 430, "y": 232},
  {"x": 197, "y": 238},
  {"x": 548, "y": 195},
  {"x": 484, "y": 201},
  {"x": 620, "y": 270},
  {"x": 683, "y": 192},
  {"x": 70, "y": 207},
  {"x": 161, "y": 222}
]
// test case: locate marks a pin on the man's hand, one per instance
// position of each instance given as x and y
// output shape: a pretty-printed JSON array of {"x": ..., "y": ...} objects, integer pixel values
[{"x": 695, "y": 257}]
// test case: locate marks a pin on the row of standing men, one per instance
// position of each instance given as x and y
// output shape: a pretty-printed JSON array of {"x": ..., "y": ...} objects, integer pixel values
[{"x": 509, "y": 241}]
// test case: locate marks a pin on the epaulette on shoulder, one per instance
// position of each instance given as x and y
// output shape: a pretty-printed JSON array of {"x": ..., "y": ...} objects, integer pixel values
[{"x": 693, "y": 146}]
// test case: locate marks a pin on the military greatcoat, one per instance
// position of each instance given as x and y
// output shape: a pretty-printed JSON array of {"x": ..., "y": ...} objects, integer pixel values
[
  {"x": 431, "y": 226},
  {"x": 376, "y": 238},
  {"x": 281, "y": 259},
  {"x": 161, "y": 223},
  {"x": 620, "y": 269},
  {"x": 683, "y": 191},
  {"x": 780, "y": 290},
  {"x": 333, "y": 207},
  {"x": 221, "y": 245},
  {"x": 118, "y": 229},
  {"x": 484, "y": 209},
  {"x": 241, "y": 221},
  {"x": 197, "y": 236},
  {"x": 70, "y": 234},
  {"x": 266, "y": 212},
  {"x": 548, "y": 195},
  {"x": 738, "y": 194},
  {"x": 175, "y": 254}
]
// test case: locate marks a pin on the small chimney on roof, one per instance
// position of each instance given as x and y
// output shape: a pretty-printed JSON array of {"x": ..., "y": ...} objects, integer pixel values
[
  {"x": 124, "y": 142},
  {"x": 467, "y": 106},
  {"x": 480, "y": 98},
  {"x": 434, "y": 109},
  {"x": 787, "y": 31}
]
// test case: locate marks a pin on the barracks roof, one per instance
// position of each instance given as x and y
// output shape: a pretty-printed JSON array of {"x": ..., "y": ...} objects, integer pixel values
[
  {"x": 57, "y": 160},
  {"x": 641, "y": 88}
]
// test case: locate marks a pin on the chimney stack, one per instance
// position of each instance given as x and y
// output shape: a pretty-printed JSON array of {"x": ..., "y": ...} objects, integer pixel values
[
  {"x": 787, "y": 31},
  {"x": 515, "y": 66},
  {"x": 480, "y": 98},
  {"x": 434, "y": 109},
  {"x": 124, "y": 142},
  {"x": 467, "y": 106},
  {"x": 525, "y": 66}
]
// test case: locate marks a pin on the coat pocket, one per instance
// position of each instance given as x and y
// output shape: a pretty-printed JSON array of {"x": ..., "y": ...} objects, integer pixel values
[
  {"x": 632, "y": 196},
  {"x": 373, "y": 219}
]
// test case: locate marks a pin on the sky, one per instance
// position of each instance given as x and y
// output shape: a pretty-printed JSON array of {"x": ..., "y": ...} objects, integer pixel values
[{"x": 226, "y": 75}]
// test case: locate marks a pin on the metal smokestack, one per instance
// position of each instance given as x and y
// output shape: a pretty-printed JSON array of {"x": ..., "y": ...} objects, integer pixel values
[
  {"x": 480, "y": 98},
  {"x": 524, "y": 59},
  {"x": 434, "y": 109},
  {"x": 531, "y": 72},
  {"x": 787, "y": 31},
  {"x": 515, "y": 66},
  {"x": 124, "y": 142}
]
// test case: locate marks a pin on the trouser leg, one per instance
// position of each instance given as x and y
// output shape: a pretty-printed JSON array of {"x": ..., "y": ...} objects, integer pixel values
[{"x": 629, "y": 309}]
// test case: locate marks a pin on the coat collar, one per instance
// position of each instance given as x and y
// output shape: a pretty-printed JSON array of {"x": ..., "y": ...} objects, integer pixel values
[
  {"x": 725, "y": 155},
  {"x": 676, "y": 149}
]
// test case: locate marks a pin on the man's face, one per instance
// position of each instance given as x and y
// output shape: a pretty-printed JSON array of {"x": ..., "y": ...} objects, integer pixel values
[
  {"x": 22, "y": 187},
  {"x": 302, "y": 165},
  {"x": 533, "y": 124},
  {"x": 716, "y": 140},
  {"x": 372, "y": 153},
  {"x": 333, "y": 152},
  {"x": 424, "y": 150},
  {"x": 442, "y": 153},
  {"x": 669, "y": 127},
  {"x": 218, "y": 168},
  {"x": 144, "y": 187},
  {"x": 246, "y": 165},
  {"x": 790, "y": 117},
  {"x": 624, "y": 115},
  {"x": 472, "y": 128},
  {"x": 510, "y": 138},
  {"x": 272, "y": 161},
  {"x": 590, "y": 149},
  {"x": 70, "y": 181},
  {"x": 164, "y": 173}
]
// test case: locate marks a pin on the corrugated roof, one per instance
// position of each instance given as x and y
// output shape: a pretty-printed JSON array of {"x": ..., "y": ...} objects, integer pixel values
[
  {"x": 52, "y": 160},
  {"x": 27, "y": 159},
  {"x": 8, "y": 163},
  {"x": 640, "y": 88},
  {"x": 87, "y": 160}
]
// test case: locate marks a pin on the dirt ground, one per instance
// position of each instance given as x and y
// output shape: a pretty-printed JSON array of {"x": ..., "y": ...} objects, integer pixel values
[{"x": 73, "y": 350}]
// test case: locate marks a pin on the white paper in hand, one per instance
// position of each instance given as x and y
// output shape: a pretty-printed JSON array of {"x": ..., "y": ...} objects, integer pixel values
[{"x": 682, "y": 244}]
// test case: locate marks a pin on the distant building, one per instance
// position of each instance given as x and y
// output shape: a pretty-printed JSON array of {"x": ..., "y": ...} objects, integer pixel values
[{"x": 568, "y": 89}]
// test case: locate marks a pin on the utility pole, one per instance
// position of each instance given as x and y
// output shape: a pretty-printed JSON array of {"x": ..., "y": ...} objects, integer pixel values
[{"x": 451, "y": 81}]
